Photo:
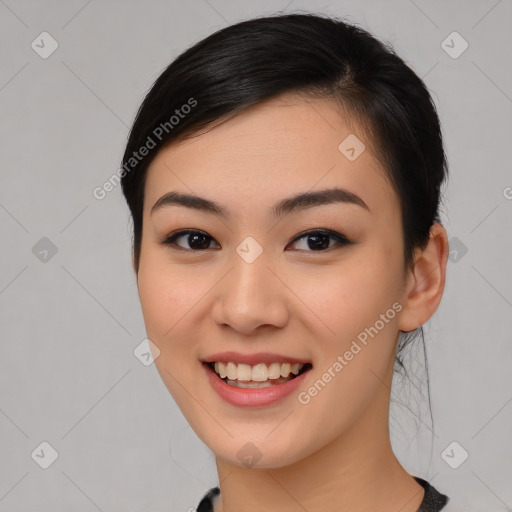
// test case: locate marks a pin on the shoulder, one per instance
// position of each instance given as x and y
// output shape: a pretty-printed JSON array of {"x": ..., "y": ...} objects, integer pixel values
[
  {"x": 433, "y": 500},
  {"x": 206, "y": 504}
]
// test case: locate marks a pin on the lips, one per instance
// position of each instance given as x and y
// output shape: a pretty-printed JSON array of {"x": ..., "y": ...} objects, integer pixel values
[
  {"x": 252, "y": 380},
  {"x": 265, "y": 394}
]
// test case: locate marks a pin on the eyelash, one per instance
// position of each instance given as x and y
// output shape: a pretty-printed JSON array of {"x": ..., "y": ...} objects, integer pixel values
[{"x": 341, "y": 239}]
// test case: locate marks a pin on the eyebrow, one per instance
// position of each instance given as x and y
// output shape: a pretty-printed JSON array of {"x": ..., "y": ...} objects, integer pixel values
[{"x": 295, "y": 203}]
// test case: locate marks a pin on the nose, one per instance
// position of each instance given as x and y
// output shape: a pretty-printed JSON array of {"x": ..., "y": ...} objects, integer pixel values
[{"x": 251, "y": 297}]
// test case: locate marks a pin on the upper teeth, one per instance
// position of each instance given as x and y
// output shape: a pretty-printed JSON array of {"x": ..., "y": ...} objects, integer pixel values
[{"x": 259, "y": 372}]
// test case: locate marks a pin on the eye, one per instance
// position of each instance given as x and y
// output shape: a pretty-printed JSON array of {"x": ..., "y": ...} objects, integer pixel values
[
  {"x": 318, "y": 240},
  {"x": 197, "y": 240}
]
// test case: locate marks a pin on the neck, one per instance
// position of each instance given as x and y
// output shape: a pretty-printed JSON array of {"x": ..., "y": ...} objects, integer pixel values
[{"x": 358, "y": 471}]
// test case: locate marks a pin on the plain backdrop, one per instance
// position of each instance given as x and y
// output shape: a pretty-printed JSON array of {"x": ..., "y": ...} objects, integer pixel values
[{"x": 73, "y": 393}]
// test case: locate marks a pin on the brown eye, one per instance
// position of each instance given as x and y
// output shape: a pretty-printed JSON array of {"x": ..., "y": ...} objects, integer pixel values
[
  {"x": 319, "y": 240},
  {"x": 196, "y": 240}
]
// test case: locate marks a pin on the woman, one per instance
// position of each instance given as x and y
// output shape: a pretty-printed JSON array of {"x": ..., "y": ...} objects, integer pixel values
[{"x": 283, "y": 177}]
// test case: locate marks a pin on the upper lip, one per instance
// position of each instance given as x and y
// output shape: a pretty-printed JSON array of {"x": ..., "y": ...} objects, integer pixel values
[{"x": 252, "y": 359}]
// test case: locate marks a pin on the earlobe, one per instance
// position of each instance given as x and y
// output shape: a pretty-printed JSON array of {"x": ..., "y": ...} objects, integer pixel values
[{"x": 425, "y": 283}]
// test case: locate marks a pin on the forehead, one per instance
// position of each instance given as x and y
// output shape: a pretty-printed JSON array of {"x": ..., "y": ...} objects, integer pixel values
[{"x": 284, "y": 146}]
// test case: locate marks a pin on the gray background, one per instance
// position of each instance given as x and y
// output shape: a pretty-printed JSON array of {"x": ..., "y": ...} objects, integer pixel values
[{"x": 70, "y": 321}]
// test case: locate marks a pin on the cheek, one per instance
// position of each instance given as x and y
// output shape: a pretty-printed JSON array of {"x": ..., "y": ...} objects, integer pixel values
[
  {"x": 357, "y": 311},
  {"x": 351, "y": 296},
  {"x": 166, "y": 293},
  {"x": 167, "y": 300},
  {"x": 357, "y": 351}
]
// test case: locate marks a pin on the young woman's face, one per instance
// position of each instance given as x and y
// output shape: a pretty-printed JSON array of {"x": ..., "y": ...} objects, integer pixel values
[{"x": 277, "y": 286}]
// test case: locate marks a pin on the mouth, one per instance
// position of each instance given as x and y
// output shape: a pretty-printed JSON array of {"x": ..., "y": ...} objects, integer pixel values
[{"x": 257, "y": 376}]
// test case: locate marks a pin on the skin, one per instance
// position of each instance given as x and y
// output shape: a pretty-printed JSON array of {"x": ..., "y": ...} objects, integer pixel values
[{"x": 293, "y": 299}]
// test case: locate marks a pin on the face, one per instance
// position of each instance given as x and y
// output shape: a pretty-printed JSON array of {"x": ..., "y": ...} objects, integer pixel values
[{"x": 317, "y": 282}]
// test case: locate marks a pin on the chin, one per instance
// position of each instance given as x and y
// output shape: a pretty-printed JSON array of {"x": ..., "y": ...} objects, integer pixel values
[{"x": 258, "y": 452}]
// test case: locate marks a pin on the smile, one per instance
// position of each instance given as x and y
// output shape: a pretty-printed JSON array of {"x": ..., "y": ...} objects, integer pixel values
[
  {"x": 259, "y": 375},
  {"x": 255, "y": 385}
]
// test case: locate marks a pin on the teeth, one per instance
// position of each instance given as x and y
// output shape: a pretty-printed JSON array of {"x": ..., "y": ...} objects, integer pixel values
[
  {"x": 285, "y": 369},
  {"x": 220, "y": 371},
  {"x": 231, "y": 371},
  {"x": 274, "y": 371},
  {"x": 296, "y": 367},
  {"x": 257, "y": 373}
]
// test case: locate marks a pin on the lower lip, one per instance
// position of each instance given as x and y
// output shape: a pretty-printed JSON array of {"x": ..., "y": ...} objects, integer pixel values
[{"x": 243, "y": 397}]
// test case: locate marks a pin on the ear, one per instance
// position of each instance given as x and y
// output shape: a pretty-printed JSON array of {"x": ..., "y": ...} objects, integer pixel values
[{"x": 425, "y": 282}]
